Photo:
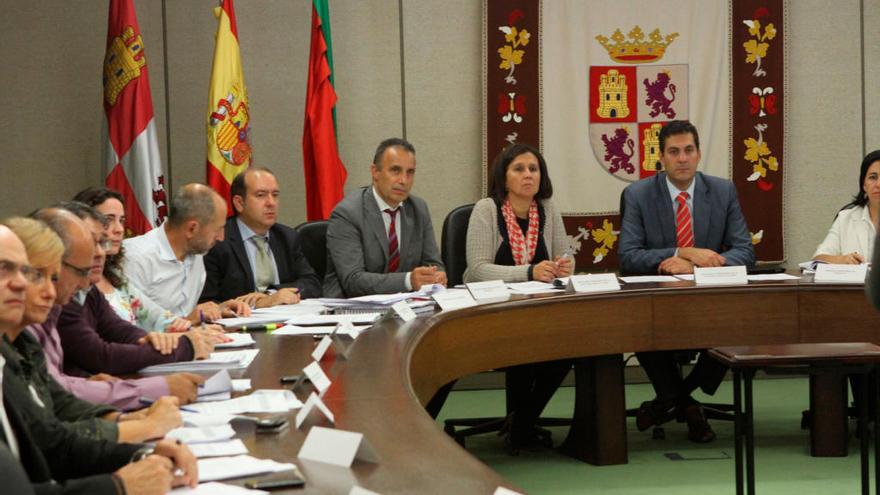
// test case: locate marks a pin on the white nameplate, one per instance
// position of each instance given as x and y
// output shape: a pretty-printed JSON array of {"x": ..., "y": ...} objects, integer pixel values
[
  {"x": 316, "y": 375},
  {"x": 404, "y": 311},
  {"x": 356, "y": 490},
  {"x": 505, "y": 491},
  {"x": 347, "y": 328},
  {"x": 342, "y": 340},
  {"x": 321, "y": 348},
  {"x": 594, "y": 282},
  {"x": 313, "y": 403},
  {"x": 337, "y": 447},
  {"x": 828, "y": 273},
  {"x": 492, "y": 289},
  {"x": 454, "y": 299},
  {"x": 721, "y": 275}
]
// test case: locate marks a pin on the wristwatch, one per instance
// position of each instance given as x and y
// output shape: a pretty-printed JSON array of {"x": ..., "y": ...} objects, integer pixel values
[{"x": 142, "y": 453}]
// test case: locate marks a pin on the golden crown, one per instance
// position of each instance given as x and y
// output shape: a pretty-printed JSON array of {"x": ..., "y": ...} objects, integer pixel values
[{"x": 637, "y": 49}]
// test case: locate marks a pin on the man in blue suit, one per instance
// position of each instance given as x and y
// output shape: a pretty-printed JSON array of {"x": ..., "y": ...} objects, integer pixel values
[{"x": 672, "y": 222}]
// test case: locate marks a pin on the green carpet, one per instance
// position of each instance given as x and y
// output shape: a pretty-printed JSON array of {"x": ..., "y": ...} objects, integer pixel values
[{"x": 783, "y": 463}]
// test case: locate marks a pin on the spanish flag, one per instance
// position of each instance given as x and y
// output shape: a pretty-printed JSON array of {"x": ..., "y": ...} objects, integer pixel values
[
  {"x": 324, "y": 172},
  {"x": 132, "y": 164},
  {"x": 228, "y": 126}
]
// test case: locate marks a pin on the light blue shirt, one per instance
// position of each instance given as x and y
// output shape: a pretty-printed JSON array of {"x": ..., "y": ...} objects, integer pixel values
[
  {"x": 250, "y": 247},
  {"x": 673, "y": 193}
]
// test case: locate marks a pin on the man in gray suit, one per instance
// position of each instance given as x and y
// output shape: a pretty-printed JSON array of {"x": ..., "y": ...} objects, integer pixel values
[
  {"x": 672, "y": 222},
  {"x": 379, "y": 238}
]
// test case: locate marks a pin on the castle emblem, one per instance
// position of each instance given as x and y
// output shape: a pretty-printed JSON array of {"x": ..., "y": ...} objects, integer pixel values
[
  {"x": 230, "y": 125},
  {"x": 122, "y": 64},
  {"x": 630, "y": 102}
]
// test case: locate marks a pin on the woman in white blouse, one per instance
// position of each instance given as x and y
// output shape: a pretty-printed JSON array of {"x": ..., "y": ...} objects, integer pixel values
[{"x": 851, "y": 237}]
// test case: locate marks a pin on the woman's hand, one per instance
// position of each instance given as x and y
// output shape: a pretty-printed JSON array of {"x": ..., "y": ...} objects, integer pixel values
[{"x": 545, "y": 271}]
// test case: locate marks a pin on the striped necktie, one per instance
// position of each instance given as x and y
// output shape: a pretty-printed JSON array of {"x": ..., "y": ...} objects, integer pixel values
[
  {"x": 684, "y": 230},
  {"x": 393, "y": 251}
]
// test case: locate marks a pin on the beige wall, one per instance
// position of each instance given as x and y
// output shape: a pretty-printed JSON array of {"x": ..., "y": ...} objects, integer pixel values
[{"x": 51, "y": 53}]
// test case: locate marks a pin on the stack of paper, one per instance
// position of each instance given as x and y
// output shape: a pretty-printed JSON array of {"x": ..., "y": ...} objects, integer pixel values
[
  {"x": 319, "y": 330},
  {"x": 333, "y": 319},
  {"x": 219, "y": 449},
  {"x": 236, "y": 340},
  {"x": 231, "y": 360},
  {"x": 201, "y": 434}
]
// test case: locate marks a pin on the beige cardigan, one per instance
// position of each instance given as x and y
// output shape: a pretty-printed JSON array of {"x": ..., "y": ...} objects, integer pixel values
[{"x": 484, "y": 239}]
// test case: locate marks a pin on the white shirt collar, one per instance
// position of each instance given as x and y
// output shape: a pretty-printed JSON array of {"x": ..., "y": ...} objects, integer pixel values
[
  {"x": 381, "y": 202},
  {"x": 166, "y": 252},
  {"x": 675, "y": 191}
]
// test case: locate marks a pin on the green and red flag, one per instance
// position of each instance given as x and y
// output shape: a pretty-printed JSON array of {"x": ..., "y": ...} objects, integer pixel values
[{"x": 324, "y": 172}]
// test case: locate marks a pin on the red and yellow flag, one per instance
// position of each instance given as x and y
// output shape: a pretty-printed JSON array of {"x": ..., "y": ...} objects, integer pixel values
[
  {"x": 228, "y": 126},
  {"x": 132, "y": 164},
  {"x": 324, "y": 172}
]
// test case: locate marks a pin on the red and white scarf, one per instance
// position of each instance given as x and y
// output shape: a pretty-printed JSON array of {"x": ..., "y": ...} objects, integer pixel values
[{"x": 523, "y": 249}]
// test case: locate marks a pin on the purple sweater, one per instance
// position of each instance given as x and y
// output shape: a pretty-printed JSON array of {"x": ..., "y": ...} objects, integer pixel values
[
  {"x": 96, "y": 340},
  {"x": 123, "y": 394}
]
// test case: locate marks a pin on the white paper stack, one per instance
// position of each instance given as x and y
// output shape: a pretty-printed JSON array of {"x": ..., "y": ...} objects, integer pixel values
[
  {"x": 261, "y": 401},
  {"x": 223, "y": 468},
  {"x": 230, "y": 360},
  {"x": 236, "y": 340},
  {"x": 201, "y": 434}
]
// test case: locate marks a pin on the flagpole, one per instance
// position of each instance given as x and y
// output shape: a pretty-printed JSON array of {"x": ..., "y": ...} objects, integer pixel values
[{"x": 168, "y": 178}]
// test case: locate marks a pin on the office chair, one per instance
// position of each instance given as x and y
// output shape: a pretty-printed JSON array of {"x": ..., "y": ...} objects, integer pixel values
[
  {"x": 453, "y": 247},
  {"x": 313, "y": 241}
]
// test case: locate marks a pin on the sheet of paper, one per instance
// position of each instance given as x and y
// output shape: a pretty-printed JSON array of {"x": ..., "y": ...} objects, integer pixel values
[
  {"x": 214, "y": 488},
  {"x": 236, "y": 340},
  {"x": 191, "y": 418},
  {"x": 201, "y": 434},
  {"x": 260, "y": 401},
  {"x": 454, "y": 299},
  {"x": 333, "y": 319},
  {"x": 645, "y": 279},
  {"x": 685, "y": 276},
  {"x": 224, "y": 468},
  {"x": 533, "y": 287},
  {"x": 490, "y": 289},
  {"x": 305, "y": 307},
  {"x": 241, "y": 385},
  {"x": 318, "y": 330},
  {"x": 219, "y": 449},
  {"x": 219, "y": 382},
  {"x": 772, "y": 276},
  {"x": 241, "y": 321},
  {"x": 216, "y": 361},
  {"x": 214, "y": 397}
]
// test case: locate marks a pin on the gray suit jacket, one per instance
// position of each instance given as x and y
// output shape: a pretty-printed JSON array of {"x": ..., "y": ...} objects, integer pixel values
[
  {"x": 357, "y": 246},
  {"x": 647, "y": 232}
]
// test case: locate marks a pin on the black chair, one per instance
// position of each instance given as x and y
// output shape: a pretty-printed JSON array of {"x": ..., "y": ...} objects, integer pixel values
[
  {"x": 453, "y": 247},
  {"x": 313, "y": 240},
  {"x": 712, "y": 410}
]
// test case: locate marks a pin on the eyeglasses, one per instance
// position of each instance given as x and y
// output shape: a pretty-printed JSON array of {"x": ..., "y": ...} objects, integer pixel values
[
  {"x": 8, "y": 269},
  {"x": 80, "y": 272}
]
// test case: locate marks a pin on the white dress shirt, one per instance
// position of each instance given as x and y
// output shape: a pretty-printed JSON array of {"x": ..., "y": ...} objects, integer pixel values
[
  {"x": 398, "y": 228},
  {"x": 852, "y": 231},
  {"x": 151, "y": 265}
]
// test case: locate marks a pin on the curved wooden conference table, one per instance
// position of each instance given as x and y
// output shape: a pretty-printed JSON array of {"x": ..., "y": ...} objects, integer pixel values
[{"x": 396, "y": 367}]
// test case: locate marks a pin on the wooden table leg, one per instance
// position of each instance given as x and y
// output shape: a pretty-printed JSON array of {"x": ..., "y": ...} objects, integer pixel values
[
  {"x": 598, "y": 432},
  {"x": 829, "y": 433}
]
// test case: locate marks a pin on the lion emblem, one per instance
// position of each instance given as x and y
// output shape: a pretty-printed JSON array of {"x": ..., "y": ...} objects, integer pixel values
[
  {"x": 616, "y": 151},
  {"x": 657, "y": 99}
]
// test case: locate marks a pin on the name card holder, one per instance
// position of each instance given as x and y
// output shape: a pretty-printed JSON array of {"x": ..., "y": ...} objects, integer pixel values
[
  {"x": 315, "y": 374},
  {"x": 337, "y": 447},
  {"x": 593, "y": 282},
  {"x": 454, "y": 299},
  {"x": 400, "y": 309},
  {"x": 356, "y": 490},
  {"x": 311, "y": 408},
  {"x": 322, "y": 347},
  {"x": 492, "y": 289},
  {"x": 829, "y": 273},
  {"x": 721, "y": 275}
]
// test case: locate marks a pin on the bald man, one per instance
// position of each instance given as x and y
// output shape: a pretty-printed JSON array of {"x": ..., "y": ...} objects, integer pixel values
[{"x": 167, "y": 263}]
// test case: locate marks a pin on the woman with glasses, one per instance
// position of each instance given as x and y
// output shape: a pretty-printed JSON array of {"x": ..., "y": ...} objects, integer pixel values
[
  {"x": 128, "y": 302},
  {"x": 93, "y": 418}
]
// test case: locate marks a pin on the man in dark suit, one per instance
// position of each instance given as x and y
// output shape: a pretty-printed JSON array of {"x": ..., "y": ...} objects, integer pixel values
[
  {"x": 379, "y": 238},
  {"x": 672, "y": 222},
  {"x": 260, "y": 261}
]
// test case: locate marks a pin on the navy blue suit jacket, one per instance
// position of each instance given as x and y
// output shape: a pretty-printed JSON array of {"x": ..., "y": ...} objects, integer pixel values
[{"x": 647, "y": 232}]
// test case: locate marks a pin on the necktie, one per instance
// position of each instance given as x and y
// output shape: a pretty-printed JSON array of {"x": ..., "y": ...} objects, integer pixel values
[
  {"x": 263, "y": 274},
  {"x": 6, "y": 429},
  {"x": 684, "y": 230},
  {"x": 393, "y": 251}
]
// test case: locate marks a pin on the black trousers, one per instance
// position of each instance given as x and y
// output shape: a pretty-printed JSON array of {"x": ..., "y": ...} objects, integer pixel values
[
  {"x": 664, "y": 370},
  {"x": 530, "y": 387}
]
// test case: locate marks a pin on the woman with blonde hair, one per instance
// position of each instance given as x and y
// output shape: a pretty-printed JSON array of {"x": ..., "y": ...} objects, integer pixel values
[{"x": 40, "y": 348}]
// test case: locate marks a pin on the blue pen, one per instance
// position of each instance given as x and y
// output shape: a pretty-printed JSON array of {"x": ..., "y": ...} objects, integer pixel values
[
  {"x": 149, "y": 402},
  {"x": 202, "y": 318}
]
